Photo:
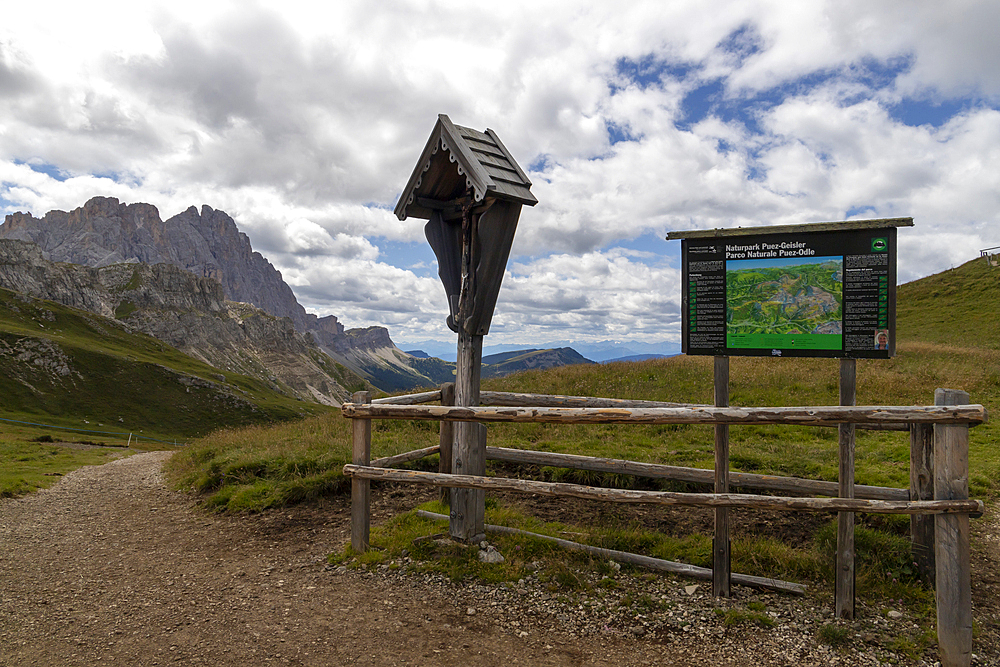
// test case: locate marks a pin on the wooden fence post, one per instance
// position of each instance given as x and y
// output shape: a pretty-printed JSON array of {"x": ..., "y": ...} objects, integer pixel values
[
  {"x": 922, "y": 488},
  {"x": 447, "y": 439},
  {"x": 467, "y": 520},
  {"x": 720, "y": 544},
  {"x": 844, "y": 585},
  {"x": 953, "y": 578},
  {"x": 361, "y": 430}
]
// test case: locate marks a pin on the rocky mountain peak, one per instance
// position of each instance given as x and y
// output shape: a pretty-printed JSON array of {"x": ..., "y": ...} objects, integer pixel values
[
  {"x": 208, "y": 243},
  {"x": 105, "y": 233}
]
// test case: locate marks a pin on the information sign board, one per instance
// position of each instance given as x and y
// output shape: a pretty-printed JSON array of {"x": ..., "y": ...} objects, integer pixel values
[{"x": 803, "y": 294}]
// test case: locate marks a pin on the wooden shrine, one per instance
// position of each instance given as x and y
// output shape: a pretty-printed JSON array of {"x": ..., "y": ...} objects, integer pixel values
[{"x": 470, "y": 190}]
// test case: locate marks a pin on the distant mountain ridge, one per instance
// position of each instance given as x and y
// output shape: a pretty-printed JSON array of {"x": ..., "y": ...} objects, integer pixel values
[
  {"x": 600, "y": 351},
  {"x": 505, "y": 363},
  {"x": 105, "y": 232},
  {"x": 188, "y": 312},
  {"x": 207, "y": 246}
]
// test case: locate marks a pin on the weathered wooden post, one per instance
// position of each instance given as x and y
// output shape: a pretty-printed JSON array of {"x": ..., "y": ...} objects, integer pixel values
[
  {"x": 447, "y": 437},
  {"x": 953, "y": 577},
  {"x": 922, "y": 488},
  {"x": 361, "y": 430},
  {"x": 844, "y": 585},
  {"x": 721, "y": 563},
  {"x": 470, "y": 190}
]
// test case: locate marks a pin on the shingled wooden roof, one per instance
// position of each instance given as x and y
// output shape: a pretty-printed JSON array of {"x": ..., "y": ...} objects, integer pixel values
[{"x": 455, "y": 160}]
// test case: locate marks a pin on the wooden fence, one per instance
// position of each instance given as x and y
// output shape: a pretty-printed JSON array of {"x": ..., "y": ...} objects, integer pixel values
[{"x": 937, "y": 500}]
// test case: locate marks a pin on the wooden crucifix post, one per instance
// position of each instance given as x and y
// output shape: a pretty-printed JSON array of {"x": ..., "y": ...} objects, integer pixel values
[
  {"x": 468, "y": 506},
  {"x": 467, "y": 176},
  {"x": 845, "y": 520},
  {"x": 720, "y": 543}
]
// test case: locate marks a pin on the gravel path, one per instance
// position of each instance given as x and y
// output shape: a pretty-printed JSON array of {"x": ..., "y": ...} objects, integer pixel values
[{"x": 109, "y": 567}]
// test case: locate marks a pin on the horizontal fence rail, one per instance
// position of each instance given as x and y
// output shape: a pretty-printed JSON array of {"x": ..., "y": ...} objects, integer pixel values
[
  {"x": 803, "y": 416},
  {"x": 659, "y": 471},
  {"x": 684, "y": 474},
  {"x": 405, "y": 457},
  {"x": 411, "y": 399},
  {"x": 974, "y": 507},
  {"x": 511, "y": 399}
]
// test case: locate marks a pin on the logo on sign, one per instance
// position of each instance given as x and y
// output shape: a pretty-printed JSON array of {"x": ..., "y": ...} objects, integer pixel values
[{"x": 880, "y": 245}]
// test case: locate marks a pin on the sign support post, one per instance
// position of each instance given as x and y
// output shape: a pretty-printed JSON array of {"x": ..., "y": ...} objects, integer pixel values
[
  {"x": 845, "y": 520},
  {"x": 720, "y": 544}
]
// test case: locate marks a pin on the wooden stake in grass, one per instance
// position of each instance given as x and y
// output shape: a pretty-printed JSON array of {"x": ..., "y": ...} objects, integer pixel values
[
  {"x": 447, "y": 438},
  {"x": 922, "y": 488},
  {"x": 953, "y": 578},
  {"x": 361, "y": 488}
]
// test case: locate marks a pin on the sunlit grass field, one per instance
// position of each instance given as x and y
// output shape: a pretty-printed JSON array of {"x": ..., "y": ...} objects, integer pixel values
[{"x": 255, "y": 468}]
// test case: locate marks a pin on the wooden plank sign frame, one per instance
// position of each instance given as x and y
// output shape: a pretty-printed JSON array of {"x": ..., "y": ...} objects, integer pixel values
[{"x": 815, "y": 290}]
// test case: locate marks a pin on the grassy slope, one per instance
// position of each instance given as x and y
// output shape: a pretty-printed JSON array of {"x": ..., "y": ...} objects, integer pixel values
[
  {"x": 26, "y": 466},
  {"x": 119, "y": 380},
  {"x": 929, "y": 356}
]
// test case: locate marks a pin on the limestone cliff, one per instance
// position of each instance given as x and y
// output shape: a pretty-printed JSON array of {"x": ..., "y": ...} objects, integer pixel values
[
  {"x": 207, "y": 243},
  {"x": 108, "y": 235},
  {"x": 187, "y": 311}
]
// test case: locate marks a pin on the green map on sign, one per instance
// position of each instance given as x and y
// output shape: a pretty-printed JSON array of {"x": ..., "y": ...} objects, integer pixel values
[{"x": 784, "y": 296}]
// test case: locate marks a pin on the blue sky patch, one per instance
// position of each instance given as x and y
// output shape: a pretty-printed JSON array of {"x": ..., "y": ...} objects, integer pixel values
[
  {"x": 701, "y": 102},
  {"x": 859, "y": 210},
  {"x": 49, "y": 170},
  {"x": 619, "y": 133},
  {"x": 649, "y": 71},
  {"x": 540, "y": 163},
  {"x": 742, "y": 43},
  {"x": 654, "y": 248},
  {"x": 925, "y": 112},
  {"x": 410, "y": 255}
]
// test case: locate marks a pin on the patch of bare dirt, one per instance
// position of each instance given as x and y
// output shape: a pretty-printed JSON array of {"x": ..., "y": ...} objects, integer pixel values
[{"x": 109, "y": 567}]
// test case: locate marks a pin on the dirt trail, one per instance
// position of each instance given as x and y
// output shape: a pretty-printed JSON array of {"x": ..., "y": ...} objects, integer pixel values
[{"x": 109, "y": 567}]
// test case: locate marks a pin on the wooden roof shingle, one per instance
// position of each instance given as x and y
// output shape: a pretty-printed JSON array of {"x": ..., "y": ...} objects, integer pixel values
[{"x": 457, "y": 159}]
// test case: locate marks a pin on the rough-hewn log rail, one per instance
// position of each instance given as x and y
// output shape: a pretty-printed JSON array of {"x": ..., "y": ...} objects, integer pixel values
[
  {"x": 511, "y": 399},
  {"x": 647, "y": 562},
  {"x": 744, "y": 480},
  {"x": 971, "y": 507},
  {"x": 405, "y": 457},
  {"x": 679, "y": 473},
  {"x": 410, "y": 399},
  {"x": 803, "y": 416}
]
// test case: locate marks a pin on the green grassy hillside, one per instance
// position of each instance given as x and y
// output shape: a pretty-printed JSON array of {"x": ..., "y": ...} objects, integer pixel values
[
  {"x": 928, "y": 357},
  {"x": 70, "y": 368},
  {"x": 959, "y": 307}
]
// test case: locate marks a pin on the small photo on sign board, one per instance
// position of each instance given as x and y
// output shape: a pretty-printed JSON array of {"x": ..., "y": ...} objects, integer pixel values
[{"x": 790, "y": 293}]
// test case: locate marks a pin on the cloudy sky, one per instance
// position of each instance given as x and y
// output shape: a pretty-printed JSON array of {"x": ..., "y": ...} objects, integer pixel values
[{"x": 303, "y": 121}]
